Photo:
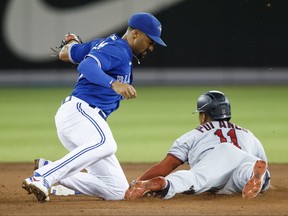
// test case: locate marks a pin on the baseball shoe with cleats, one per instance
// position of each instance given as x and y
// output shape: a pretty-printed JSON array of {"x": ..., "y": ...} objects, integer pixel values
[
  {"x": 139, "y": 189},
  {"x": 26, "y": 185},
  {"x": 254, "y": 185},
  {"x": 40, "y": 162},
  {"x": 57, "y": 190},
  {"x": 37, "y": 186}
]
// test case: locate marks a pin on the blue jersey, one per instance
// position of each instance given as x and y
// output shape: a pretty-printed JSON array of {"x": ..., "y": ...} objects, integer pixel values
[{"x": 113, "y": 56}]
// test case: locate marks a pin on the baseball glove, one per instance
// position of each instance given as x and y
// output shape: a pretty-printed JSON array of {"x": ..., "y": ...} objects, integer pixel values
[
  {"x": 67, "y": 39},
  {"x": 70, "y": 37}
]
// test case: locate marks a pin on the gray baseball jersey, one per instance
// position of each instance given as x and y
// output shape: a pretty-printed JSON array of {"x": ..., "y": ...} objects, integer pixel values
[
  {"x": 221, "y": 156},
  {"x": 194, "y": 145}
]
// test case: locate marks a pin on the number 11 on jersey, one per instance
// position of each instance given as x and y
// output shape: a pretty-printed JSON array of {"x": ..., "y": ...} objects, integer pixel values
[{"x": 231, "y": 133}]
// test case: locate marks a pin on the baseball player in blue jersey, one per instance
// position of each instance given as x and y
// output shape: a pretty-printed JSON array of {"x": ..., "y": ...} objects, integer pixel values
[
  {"x": 224, "y": 158},
  {"x": 105, "y": 78}
]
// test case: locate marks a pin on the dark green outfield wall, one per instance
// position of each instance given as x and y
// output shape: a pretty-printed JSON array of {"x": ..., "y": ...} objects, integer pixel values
[{"x": 199, "y": 33}]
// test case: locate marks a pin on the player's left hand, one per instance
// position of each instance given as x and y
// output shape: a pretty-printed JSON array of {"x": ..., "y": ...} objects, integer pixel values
[{"x": 124, "y": 89}]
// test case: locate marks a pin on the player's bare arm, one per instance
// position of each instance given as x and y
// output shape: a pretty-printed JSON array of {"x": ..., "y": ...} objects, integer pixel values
[
  {"x": 63, "y": 54},
  {"x": 163, "y": 168}
]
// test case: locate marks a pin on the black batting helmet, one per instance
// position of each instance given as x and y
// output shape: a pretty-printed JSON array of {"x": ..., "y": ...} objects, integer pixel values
[{"x": 215, "y": 104}]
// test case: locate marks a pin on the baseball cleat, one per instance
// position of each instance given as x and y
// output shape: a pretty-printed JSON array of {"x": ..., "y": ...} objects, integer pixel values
[
  {"x": 58, "y": 190},
  {"x": 40, "y": 162},
  {"x": 25, "y": 185},
  {"x": 139, "y": 188},
  {"x": 36, "y": 186},
  {"x": 254, "y": 185}
]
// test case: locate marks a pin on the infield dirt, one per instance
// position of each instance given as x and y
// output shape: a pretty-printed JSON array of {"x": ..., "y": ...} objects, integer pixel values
[{"x": 15, "y": 201}]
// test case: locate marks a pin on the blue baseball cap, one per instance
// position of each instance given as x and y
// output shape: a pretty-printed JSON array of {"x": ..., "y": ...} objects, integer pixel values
[{"x": 148, "y": 24}]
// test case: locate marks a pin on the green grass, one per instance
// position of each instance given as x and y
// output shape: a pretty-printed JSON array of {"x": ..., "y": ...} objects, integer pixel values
[{"x": 144, "y": 128}]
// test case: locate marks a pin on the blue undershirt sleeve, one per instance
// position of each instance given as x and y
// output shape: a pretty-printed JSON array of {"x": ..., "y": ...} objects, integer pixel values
[{"x": 92, "y": 72}]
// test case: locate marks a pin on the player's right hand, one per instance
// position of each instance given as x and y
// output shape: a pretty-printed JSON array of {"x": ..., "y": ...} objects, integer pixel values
[{"x": 124, "y": 89}]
